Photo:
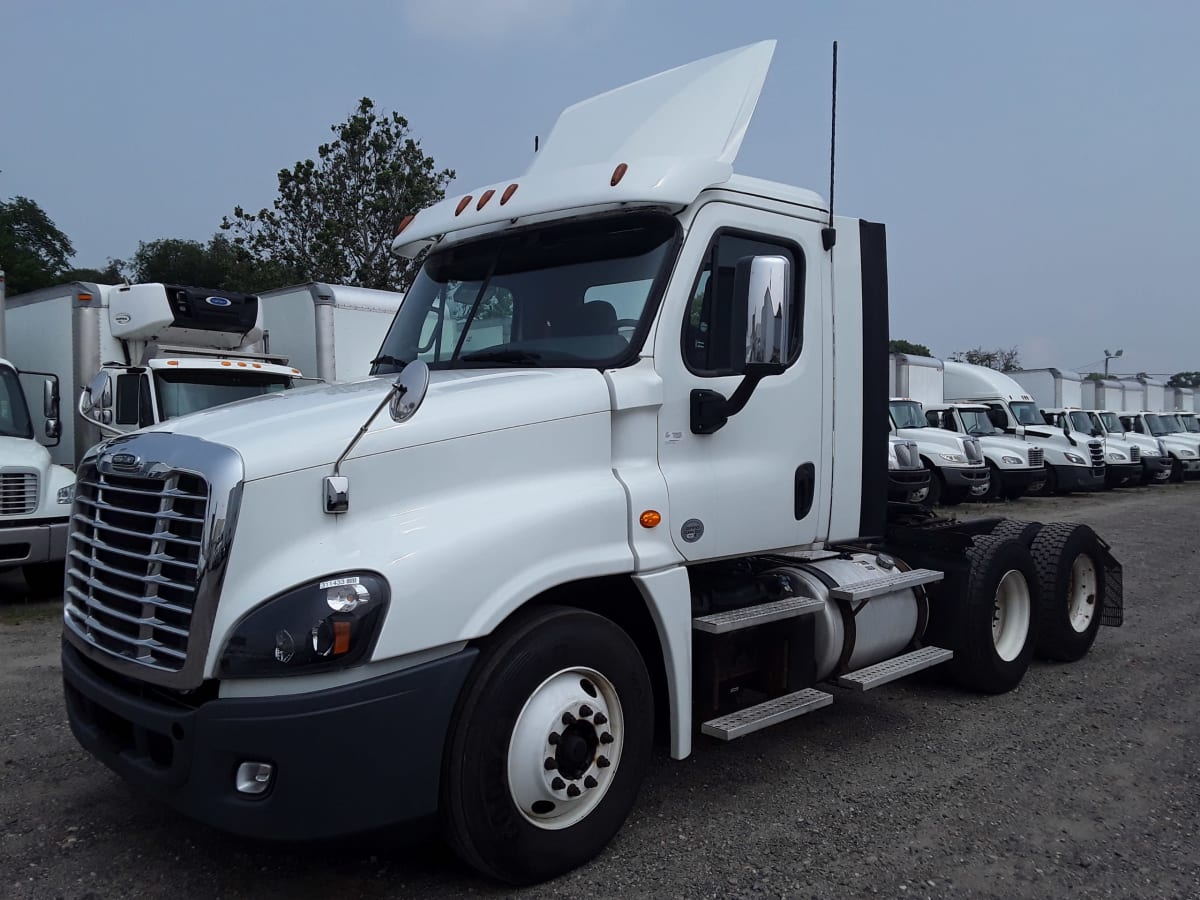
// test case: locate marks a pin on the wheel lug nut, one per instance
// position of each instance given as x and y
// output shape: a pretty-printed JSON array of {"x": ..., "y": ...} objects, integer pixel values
[
  {"x": 551, "y": 763},
  {"x": 567, "y": 718},
  {"x": 573, "y": 790},
  {"x": 585, "y": 711},
  {"x": 590, "y": 782},
  {"x": 553, "y": 739},
  {"x": 601, "y": 719},
  {"x": 558, "y": 784},
  {"x": 602, "y": 762},
  {"x": 606, "y": 738}
]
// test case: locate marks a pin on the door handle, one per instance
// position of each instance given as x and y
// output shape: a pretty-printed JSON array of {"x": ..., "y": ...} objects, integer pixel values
[{"x": 806, "y": 487}]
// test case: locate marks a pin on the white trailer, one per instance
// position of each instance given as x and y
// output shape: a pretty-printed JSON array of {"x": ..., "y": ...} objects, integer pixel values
[
  {"x": 1051, "y": 388},
  {"x": 332, "y": 331},
  {"x": 475, "y": 591},
  {"x": 163, "y": 351},
  {"x": 1107, "y": 394},
  {"x": 1181, "y": 399}
]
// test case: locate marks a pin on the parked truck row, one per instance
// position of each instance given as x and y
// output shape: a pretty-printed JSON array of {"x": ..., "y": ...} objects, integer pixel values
[{"x": 591, "y": 494}]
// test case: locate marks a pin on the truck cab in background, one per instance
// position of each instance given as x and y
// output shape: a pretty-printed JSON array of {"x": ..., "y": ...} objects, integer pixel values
[
  {"x": 956, "y": 465},
  {"x": 1155, "y": 461},
  {"x": 35, "y": 494},
  {"x": 1122, "y": 459},
  {"x": 1017, "y": 466},
  {"x": 908, "y": 479},
  {"x": 1183, "y": 450},
  {"x": 1070, "y": 467}
]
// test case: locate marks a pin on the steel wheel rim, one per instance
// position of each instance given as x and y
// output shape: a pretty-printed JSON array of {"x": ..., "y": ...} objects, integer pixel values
[
  {"x": 565, "y": 748},
  {"x": 1081, "y": 593},
  {"x": 1010, "y": 615}
]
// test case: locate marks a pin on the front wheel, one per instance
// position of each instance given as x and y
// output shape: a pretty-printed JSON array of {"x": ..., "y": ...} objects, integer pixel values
[
  {"x": 1176, "y": 471},
  {"x": 995, "y": 485},
  {"x": 550, "y": 742}
]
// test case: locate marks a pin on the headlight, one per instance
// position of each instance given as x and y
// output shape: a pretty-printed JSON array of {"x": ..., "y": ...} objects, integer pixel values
[
  {"x": 1012, "y": 460},
  {"x": 66, "y": 494},
  {"x": 328, "y": 624},
  {"x": 1075, "y": 458},
  {"x": 1117, "y": 457},
  {"x": 1146, "y": 451},
  {"x": 1186, "y": 453},
  {"x": 953, "y": 457}
]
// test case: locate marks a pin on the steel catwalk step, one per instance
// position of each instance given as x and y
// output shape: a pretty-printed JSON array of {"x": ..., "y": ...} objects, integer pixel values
[
  {"x": 892, "y": 669},
  {"x": 749, "y": 616},
  {"x": 763, "y": 715},
  {"x": 865, "y": 590}
]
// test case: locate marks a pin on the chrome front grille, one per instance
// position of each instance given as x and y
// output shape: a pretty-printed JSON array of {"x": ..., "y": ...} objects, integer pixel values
[
  {"x": 1096, "y": 449},
  {"x": 18, "y": 493},
  {"x": 1135, "y": 454},
  {"x": 134, "y": 562},
  {"x": 1037, "y": 458},
  {"x": 907, "y": 455},
  {"x": 974, "y": 450}
]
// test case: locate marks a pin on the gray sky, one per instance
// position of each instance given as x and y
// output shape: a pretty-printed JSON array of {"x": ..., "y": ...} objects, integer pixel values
[{"x": 1035, "y": 162}]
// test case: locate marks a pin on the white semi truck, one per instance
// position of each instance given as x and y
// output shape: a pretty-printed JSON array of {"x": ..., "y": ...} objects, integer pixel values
[
  {"x": 331, "y": 331},
  {"x": 1182, "y": 449},
  {"x": 142, "y": 353},
  {"x": 508, "y": 567},
  {"x": 1071, "y": 465},
  {"x": 1015, "y": 466},
  {"x": 1104, "y": 398}
]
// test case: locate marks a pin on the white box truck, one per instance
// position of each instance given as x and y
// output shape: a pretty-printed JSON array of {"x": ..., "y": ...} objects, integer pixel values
[
  {"x": 1150, "y": 394},
  {"x": 153, "y": 351},
  {"x": 1015, "y": 466},
  {"x": 508, "y": 567},
  {"x": 1181, "y": 399},
  {"x": 331, "y": 331},
  {"x": 1072, "y": 466}
]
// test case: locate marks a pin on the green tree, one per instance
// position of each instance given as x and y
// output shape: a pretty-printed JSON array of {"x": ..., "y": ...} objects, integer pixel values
[
  {"x": 113, "y": 273},
  {"x": 1184, "y": 379},
  {"x": 218, "y": 264},
  {"x": 33, "y": 251},
  {"x": 1001, "y": 359},
  {"x": 898, "y": 346},
  {"x": 334, "y": 218}
]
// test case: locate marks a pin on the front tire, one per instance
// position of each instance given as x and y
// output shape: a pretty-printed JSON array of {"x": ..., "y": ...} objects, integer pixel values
[
  {"x": 995, "y": 485},
  {"x": 999, "y": 617},
  {"x": 1070, "y": 570},
  {"x": 549, "y": 744}
]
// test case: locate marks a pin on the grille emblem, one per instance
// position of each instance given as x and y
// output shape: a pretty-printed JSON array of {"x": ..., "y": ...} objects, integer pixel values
[{"x": 124, "y": 461}]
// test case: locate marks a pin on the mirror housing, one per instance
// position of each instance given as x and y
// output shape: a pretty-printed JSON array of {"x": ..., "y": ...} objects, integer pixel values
[
  {"x": 50, "y": 398},
  {"x": 53, "y": 428}
]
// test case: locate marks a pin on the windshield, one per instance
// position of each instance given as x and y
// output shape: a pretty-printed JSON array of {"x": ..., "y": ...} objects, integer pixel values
[
  {"x": 1171, "y": 423},
  {"x": 1081, "y": 421},
  {"x": 579, "y": 294},
  {"x": 14, "y": 414},
  {"x": 976, "y": 421},
  {"x": 1156, "y": 427},
  {"x": 1190, "y": 423},
  {"x": 1026, "y": 413},
  {"x": 907, "y": 414},
  {"x": 183, "y": 391},
  {"x": 1112, "y": 423}
]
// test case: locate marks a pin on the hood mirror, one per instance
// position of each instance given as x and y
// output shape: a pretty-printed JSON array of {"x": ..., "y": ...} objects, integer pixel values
[{"x": 408, "y": 391}]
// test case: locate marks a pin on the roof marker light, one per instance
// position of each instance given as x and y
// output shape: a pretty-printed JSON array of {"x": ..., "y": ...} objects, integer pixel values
[
  {"x": 463, "y": 204},
  {"x": 404, "y": 223},
  {"x": 226, "y": 362},
  {"x": 618, "y": 174},
  {"x": 487, "y": 195},
  {"x": 172, "y": 362},
  {"x": 508, "y": 192},
  {"x": 84, "y": 297}
]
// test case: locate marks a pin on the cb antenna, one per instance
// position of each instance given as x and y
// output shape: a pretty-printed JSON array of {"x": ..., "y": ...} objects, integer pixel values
[{"x": 829, "y": 233}]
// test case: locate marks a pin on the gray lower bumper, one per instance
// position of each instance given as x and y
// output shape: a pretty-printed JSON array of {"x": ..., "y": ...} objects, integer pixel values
[{"x": 42, "y": 542}]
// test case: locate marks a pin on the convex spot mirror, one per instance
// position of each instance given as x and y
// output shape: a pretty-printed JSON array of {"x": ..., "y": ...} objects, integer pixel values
[
  {"x": 50, "y": 398},
  {"x": 99, "y": 393},
  {"x": 763, "y": 287},
  {"x": 53, "y": 429},
  {"x": 408, "y": 391}
]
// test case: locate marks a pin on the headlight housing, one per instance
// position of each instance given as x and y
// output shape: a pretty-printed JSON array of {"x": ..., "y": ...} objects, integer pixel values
[
  {"x": 1012, "y": 460},
  {"x": 1075, "y": 458},
  {"x": 328, "y": 624},
  {"x": 1146, "y": 451},
  {"x": 1186, "y": 453},
  {"x": 66, "y": 494},
  {"x": 1117, "y": 457},
  {"x": 953, "y": 457}
]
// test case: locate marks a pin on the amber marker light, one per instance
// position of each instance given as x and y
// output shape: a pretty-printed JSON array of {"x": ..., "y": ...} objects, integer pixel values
[
  {"x": 463, "y": 204},
  {"x": 650, "y": 518},
  {"x": 172, "y": 362},
  {"x": 508, "y": 192},
  {"x": 85, "y": 297},
  {"x": 404, "y": 223},
  {"x": 487, "y": 195},
  {"x": 341, "y": 638},
  {"x": 618, "y": 174}
]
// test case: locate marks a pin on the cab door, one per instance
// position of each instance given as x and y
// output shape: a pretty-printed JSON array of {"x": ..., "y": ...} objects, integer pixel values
[{"x": 755, "y": 483}]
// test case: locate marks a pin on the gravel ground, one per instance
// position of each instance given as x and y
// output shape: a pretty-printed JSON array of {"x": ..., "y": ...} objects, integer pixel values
[{"x": 1083, "y": 782}]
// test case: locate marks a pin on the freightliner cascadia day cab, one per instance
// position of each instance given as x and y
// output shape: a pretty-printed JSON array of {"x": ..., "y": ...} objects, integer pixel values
[
  {"x": 129, "y": 356},
  {"x": 508, "y": 567},
  {"x": 1071, "y": 466},
  {"x": 330, "y": 331},
  {"x": 1104, "y": 398},
  {"x": 35, "y": 494}
]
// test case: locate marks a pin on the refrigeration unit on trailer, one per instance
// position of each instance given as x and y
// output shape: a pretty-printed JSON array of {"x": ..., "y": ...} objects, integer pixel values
[
  {"x": 1071, "y": 466},
  {"x": 624, "y": 510},
  {"x": 128, "y": 356},
  {"x": 332, "y": 331}
]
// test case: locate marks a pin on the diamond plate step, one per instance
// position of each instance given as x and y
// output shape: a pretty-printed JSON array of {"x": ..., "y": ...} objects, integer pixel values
[
  {"x": 892, "y": 669},
  {"x": 749, "y": 616},
  {"x": 763, "y": 715},
  {"x": 865, "y": 590}
]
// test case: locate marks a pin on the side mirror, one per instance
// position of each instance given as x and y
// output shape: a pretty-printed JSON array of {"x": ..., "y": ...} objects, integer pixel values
[
  {"x": 408, "y": 391},
  {"x": 50, "y": 398},
  {"x": 99, "y": 392},
  {"x": 763, "y": 285},
  {"x": 53, "y": 428}
]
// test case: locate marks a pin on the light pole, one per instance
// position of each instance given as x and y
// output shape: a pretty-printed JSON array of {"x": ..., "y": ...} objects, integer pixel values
[{"x": 1108, "y": 356}]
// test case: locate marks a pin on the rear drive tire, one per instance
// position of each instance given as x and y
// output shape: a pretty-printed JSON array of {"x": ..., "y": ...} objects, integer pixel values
[
  {"x": 1024, "y": 532},
  {"x": 45, "y": 580},
  {"x": 999, "y": 624},
  {"x": 1070, "y": 567},
  {"x": 549, "y": 743}
]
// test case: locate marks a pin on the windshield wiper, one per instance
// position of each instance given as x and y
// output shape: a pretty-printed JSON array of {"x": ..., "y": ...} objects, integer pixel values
[
  {"x": 389, "y": 360},
  {"x": 516, "y": 357}
]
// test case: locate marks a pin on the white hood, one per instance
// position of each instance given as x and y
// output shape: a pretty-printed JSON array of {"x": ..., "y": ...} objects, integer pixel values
[
  {"x": 23, "y": 453},
  {"x": 307, "y": 427}
]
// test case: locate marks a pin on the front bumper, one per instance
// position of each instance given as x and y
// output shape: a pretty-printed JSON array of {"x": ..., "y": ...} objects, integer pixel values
[
  {"x": 1021, "y": 481},
  {"x": 972, "y": 479},
  {"x": 1155, "y": 469},
  {"x": 347, "y": 759},
  {"x": 29, "y": 543},
  {"x": 902, "y": 483},
  {"x": 1191, "y": 466},
  {"x": 1121, "y": 475},
  {"x": 1080, "y": 478}
]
